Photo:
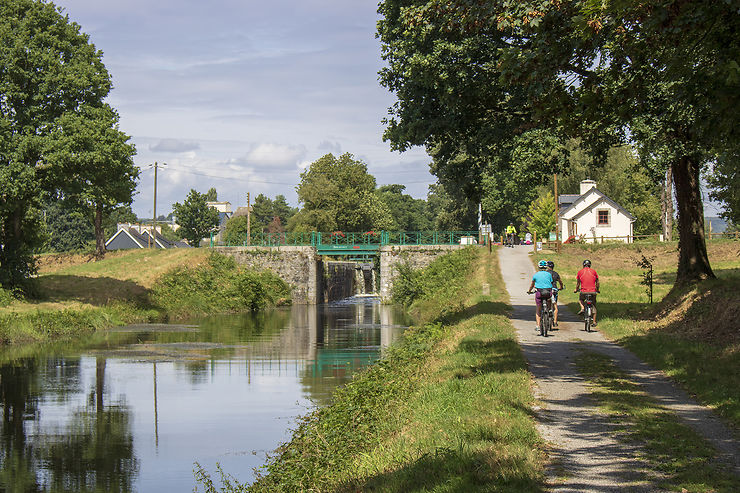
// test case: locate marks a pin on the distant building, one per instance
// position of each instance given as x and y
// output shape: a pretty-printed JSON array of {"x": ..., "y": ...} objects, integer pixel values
[
  {"x": 224, "y": 214},
  {"x": 128, "y": 237},
  {"x": 592, "y": 215}
]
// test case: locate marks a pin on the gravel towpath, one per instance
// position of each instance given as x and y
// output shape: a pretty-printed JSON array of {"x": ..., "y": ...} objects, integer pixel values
[{"x": 585, "y": 454}]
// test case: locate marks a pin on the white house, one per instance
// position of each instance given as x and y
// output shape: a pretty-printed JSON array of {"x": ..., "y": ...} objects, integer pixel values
[{"x": 593, "y": 216}]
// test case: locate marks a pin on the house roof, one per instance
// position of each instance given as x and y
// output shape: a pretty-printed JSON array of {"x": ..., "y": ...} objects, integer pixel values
[
  {"x": 141, "y": 240},
  {"x": 134, "y": 235},
  {"x": 602, "y": 197}
]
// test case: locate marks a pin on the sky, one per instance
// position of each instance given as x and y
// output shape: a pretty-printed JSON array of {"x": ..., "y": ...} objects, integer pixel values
[{"x": 242, "y": 95}]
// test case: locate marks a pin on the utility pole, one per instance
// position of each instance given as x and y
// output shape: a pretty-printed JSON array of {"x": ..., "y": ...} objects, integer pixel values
[
  {"x": 557, "y": 212},
  {"x": 249, "y": 222},
  {"x": 152, "y": 242}
]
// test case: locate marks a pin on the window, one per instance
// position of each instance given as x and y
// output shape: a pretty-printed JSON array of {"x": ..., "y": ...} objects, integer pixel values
[{"x": 603, "y": 217}]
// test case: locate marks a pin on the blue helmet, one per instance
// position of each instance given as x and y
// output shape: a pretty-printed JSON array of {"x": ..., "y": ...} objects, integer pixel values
[{"x": 542, "y": 264}]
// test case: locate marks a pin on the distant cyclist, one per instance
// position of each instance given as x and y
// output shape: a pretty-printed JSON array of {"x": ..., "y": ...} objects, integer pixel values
[
  {"x": 542, "y": 282},
  {"x": 555, "y": 281},
  {"x": 587, "y": 282},
  {"x": 510, "y": 232}
]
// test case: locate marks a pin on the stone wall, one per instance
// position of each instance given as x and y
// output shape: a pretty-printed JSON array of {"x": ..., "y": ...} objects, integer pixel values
[
  {"x": 417, "y": 256},
  {"x": 299, "y": 266}
]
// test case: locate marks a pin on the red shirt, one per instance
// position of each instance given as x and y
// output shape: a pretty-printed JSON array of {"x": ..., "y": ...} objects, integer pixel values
[{"x": 588, "y": 278}]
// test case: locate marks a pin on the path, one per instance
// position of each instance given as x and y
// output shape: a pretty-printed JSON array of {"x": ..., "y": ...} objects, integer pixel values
[{"x": 585, "y": 454}]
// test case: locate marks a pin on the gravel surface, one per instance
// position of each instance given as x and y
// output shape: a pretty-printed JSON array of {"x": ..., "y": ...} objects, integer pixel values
[{"x": 584, "y": 451}]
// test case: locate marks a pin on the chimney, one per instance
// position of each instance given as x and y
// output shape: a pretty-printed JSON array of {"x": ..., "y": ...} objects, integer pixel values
[{"x": 587, "y": 185}]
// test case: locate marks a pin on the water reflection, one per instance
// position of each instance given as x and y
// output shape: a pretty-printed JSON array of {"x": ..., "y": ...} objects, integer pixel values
[{"x": 132, "y": 409}]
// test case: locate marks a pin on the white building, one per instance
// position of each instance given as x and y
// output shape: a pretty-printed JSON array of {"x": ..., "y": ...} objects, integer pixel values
[{"x": 592, "y": 216}]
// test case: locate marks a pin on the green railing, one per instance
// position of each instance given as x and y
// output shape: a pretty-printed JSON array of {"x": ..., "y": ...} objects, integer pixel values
[{"x": 350, "y": 239}]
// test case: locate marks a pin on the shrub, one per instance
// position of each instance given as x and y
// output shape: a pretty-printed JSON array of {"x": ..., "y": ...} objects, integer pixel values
[{"x": 218, "y": 286}]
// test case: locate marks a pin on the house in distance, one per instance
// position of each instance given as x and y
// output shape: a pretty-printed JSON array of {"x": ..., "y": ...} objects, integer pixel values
[{"x": 592, "y": 216}]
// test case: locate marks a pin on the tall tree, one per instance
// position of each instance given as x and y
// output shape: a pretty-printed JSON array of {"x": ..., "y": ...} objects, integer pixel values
[
  {"x": 48, "y": 68},
  {"x": 96, "y": 163},
  {"x": 196, "y": 219},
  {"x": 339, "y": 194}
]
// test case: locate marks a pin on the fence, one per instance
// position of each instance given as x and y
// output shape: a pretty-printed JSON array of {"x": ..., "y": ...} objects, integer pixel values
[{"x": 380, "y": 238}]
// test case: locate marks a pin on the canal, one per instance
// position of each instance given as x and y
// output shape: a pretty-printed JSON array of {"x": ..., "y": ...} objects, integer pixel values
[{"x": 133, "y": 409}]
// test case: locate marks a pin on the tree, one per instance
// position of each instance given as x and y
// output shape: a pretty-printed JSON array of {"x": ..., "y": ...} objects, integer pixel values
[
  {"x": 448, "y": 213},
  {"x": 408, "y": 213},
  {"x": 196, "y": 219},
  {"x": 339, "y": 194},
  {"x": 96, "y": 163},
  {"x": 68, "y": 226},
  {"x": 48, "y": 69},
  {"x": 235, "y": 232},
  {"x": 662, "y": 74},
  {"x": 541, "y": 215},
  {"x": 211, "y": 195},
  {"x": 724, "y": 182}
]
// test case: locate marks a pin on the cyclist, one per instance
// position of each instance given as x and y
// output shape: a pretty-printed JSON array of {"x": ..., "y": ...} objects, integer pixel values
[
  {"x": 510, "y": 232},
  {"x": 542, "y": 282},
  {"x": 587, "y": 282},
  {"x": 555, "y": 281}
]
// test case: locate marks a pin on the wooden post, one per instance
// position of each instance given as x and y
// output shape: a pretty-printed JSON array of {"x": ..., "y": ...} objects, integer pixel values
[
  {"x": 249, "y": 223},
  {"x": 557, "y": 212},
  {"x": 535, "y": 242}
]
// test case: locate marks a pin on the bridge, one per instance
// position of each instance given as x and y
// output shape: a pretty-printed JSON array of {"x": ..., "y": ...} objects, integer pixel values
[{"x": 356, "y": 245}]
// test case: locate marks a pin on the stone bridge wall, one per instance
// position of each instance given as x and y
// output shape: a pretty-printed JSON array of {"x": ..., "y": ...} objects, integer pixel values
[
  {"x": 299, "y": 266},
  {"x": 416, "y": 256}
]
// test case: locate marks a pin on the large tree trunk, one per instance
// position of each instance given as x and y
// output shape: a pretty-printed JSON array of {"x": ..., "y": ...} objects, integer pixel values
[
  {"x": 693, "y": 262},
  {"x": 667, "y": 206},
  {"x": 99, "y": 233},
  {"x": 16, "y": 261}
]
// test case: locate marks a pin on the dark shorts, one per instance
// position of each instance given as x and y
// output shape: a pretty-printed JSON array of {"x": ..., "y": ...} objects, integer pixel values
[
  {"x": 555, "y": 295},
  {"x": 583, "y": 296},
  {"x": 542, "y": 294}
]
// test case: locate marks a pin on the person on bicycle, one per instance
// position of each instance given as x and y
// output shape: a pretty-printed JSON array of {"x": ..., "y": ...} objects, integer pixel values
[
  {"x": 542, "y": 282},
  {"x": 555, "y": 281},
  {"x": 510, "y": 232},
  {"x": 587, "y": 282}
]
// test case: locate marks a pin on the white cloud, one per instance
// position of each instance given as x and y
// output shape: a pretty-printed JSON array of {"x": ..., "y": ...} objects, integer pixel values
[
  {"x": 269, "y": 155},
  {"x": 174, "y": 146}
]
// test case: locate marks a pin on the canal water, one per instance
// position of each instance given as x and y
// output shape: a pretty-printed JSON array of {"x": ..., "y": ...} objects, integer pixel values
[{"x": 135, "y": 408}]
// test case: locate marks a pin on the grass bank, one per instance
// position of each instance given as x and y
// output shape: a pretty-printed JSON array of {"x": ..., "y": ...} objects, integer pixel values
[
  {"x": 691, "y": 334},
  {"x": 449, "y": 408},
  {"x": 77, "y": 294}
]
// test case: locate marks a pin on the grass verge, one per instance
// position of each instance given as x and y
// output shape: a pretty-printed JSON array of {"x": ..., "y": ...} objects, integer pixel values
[
  {"x": 682, "y": 457},
  {"x": 692, "y": 334},
  {"x": 449, "y": 408},
  {"x": 78, "y": 295}
]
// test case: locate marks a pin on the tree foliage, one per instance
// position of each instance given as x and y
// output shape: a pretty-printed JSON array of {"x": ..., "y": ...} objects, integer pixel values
[
  {"x": 408, "y": 213},
  {"x": 196, "y": 219},
  {"x": 339, "y": 194},
  {"x": 724, "y": 180},
  {"x": 96, "y": 163},
  {"x": 541, "y": 215},
  {"x": 50, "y": 74},
  {"x": 471, "y": 77}
]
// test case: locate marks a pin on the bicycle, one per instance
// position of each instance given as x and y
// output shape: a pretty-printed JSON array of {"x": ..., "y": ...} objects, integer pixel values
[
  {"x": 546, "y": 317},
  {"x": 588, "y": 311}
]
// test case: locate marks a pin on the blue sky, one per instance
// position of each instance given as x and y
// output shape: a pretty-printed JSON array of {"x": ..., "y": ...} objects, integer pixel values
[{"x": 241, "y": 95}]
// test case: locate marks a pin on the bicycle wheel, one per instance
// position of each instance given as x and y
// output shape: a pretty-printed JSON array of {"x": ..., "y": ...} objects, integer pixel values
[
  {"x": 588, "y": 319},
  {"x": 544, "y": 322}
]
